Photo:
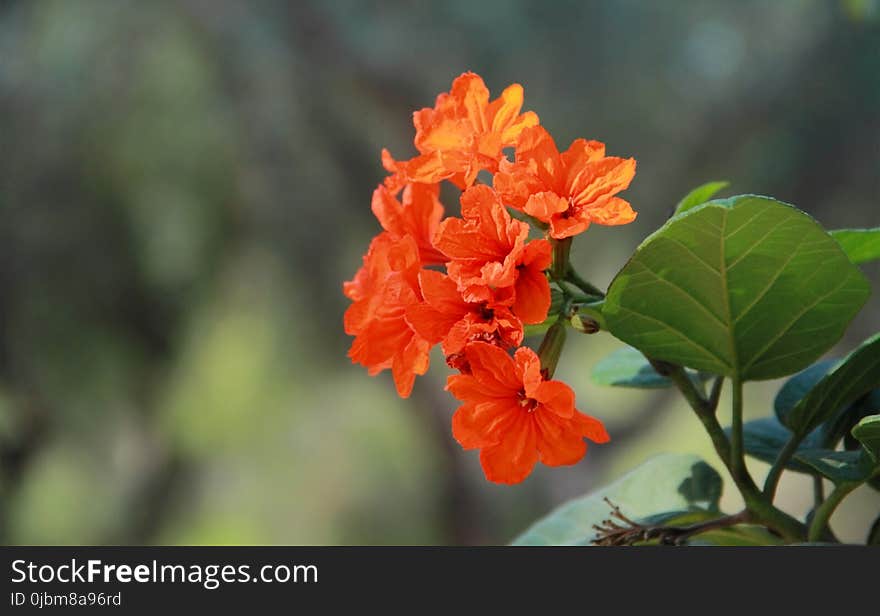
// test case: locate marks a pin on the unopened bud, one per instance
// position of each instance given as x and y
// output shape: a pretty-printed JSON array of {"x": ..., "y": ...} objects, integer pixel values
[
  {"x": 585, "y": 325},
  {"x": 551, "y": 348}
]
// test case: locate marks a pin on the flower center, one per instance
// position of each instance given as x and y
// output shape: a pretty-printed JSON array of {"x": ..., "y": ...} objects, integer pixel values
[
  {"x": 529, "y": 404},
  {"x": 572, "y": 209}
]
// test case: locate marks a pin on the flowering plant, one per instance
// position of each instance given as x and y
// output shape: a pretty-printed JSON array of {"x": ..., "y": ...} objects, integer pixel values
[{"x": 738, "y": 289}]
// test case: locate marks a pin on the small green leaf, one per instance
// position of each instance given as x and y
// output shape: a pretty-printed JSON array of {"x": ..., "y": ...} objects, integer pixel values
[
  {"x": 655, "y": 486},
  {"x": 798, "y": 386},
  {"x": 856, "y": 375},
  {"x": 764, "y": 438},
  {"x": 700, "y": 195},
  {"x": 838, "y": 466},
  {"x": 867, "y": 431},
  {"x": 627, "y": 367},
  {"x": 744, "y": 287},
  {"x": 860, "y": 245}
]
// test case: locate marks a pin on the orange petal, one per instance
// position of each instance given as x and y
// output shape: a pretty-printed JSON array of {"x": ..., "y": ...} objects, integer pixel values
[
  {"x": 591, "y": 427},
  {"x": 545, "y": 205},
  {"x": 446, "y": 135},
  {"x": 513, "y": 131},
  {"x": 379, "y": 341},
  {"x": 387, "y": 210},
  {"x": 563, "y": 227},
  {"x": 602, "y": 179},
  {"x": 615, "y": 211},
  {"x": 528, "y": 369},
  {"x": 469, "y": 389},
  {"x": 428, "y": 168},
  {"x": 532, "y": 296},
  {"x": 412, "y": 360},
  {"x": 492, "y": 366},
  {"x": 538, "y": 254},
  {"x": 576, "y": 157},
  {"x": 442, "y": 293},
  {"x": 537, "y": 152},
  {"x": 457, "y": 339},
  {"x": 356, "y": 317},
  {"x": 556, "y": 397},
  {"x": 472, "y": 97},
  {"x": 558, "y": 442},
  {"x": 512, "y": 459},
  {"x": 430, "y": 323},
  {"x": 482, "y": 424},
  {"x": 514, "y": 184},
  {"x": 504, "y": 110}
]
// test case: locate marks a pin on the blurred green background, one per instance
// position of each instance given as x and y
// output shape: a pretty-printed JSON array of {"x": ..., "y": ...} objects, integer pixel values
[{"x": 185, "y": 185}]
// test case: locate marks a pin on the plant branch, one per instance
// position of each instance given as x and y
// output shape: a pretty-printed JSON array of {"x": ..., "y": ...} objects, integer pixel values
[
  {"x": 612, "y": 532},
  {"x": 785, "y": 455},
  {"x": 560, "y": 266},
  {"x": 715, "y": 393},
  {"x": 824, "y": 512},
  {"x": 818, "y": 491},
  {"x": 732, "y": 456},
  {"x": 570, "y": 275},
  {"x": 737, "y": 449}
]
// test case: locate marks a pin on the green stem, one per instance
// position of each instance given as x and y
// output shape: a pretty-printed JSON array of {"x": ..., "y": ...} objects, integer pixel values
[
  {"x": 785, "y": 455},
  {"x": 577, "y": 295},
  {"x": 561, "y": 250},
  {"x": 587, "y": 287},
  {"x": 737, "y": 451},
  {"x": 715, "y": 393},
  {"x": 704, "y": 409},
  {"x": 826, "y": 509},
  {"x": 818, "y": 491},
  {"x": 731, "y": 455}
]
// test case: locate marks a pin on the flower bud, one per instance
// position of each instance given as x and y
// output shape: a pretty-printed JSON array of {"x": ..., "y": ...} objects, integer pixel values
[{"x": 551, "y": 348}]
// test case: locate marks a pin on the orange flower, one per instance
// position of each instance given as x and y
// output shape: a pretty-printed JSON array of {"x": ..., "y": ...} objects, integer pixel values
[
  {"x": 445, "y": 317},
  {"x": 382, "y": 290},
  {"x": 418, "y": 215},
  {"x": 490, "y": 256},
  {"x": 516, "y": 417},
  {"x": 569, "y": 191},
  {"x": 463, "y": 134}
]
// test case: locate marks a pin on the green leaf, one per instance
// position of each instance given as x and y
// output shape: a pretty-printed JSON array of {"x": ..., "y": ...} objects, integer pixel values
[
  {"x": 627, "y": 367},
  {"x": 840, "y": 426},
  {"x": 740, "y": 535},
  {"x": 874, "y": 534},
  {"x": 860, "y": 245},
  {"x": 867, "y": 431},
  {"x": 699, "y": 196},
  {"x": 679, "y": 518},
  {"x": 764, "y": 438},
  {"x": 668, "y": 482},
  {"x": 744, "y": 287},
  {"x": 838, "y": 466},
  {"x": 857, "y": 374},
  {"x": 798, "y": 386}
]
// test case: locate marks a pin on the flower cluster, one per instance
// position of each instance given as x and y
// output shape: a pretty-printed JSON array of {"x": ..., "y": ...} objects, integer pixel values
[{"x": 470, "y": 283}]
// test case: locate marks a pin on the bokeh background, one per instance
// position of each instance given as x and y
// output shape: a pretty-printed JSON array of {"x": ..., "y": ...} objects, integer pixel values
[{"x": 185, "y": 185}]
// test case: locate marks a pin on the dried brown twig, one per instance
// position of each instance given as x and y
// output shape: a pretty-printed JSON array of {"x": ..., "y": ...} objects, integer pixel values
[{"x": 618, "y": 529}]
